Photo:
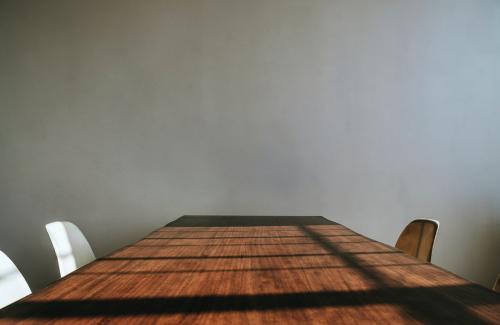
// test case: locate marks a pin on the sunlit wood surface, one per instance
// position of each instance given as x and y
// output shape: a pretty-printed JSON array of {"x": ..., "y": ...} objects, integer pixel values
[{"x": 291, "y": 270}]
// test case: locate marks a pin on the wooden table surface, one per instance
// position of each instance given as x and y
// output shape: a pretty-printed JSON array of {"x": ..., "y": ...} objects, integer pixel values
[{"x": 250, "y": 270}]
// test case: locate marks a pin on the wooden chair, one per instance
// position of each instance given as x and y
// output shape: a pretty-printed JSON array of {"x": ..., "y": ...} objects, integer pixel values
[
  {"x": 417, "y": 239},
  {"x": 496, "y": 286}
]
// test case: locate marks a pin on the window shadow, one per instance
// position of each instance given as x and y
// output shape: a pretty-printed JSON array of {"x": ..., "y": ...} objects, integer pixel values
[
  {"x": 426, "y": 304},
  {"x": 244, "y": 237},
  {"x": 262, "y": 269},
  {"x": 193, "y": 257},
  {"x": 433, "y": 305},
  {"x": 246, "y": 244},
  {"x": 440, "y": 311}
]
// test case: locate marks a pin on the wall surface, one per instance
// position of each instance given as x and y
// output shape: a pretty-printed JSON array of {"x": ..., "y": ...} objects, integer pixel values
[{"x": 123, "y": 115}]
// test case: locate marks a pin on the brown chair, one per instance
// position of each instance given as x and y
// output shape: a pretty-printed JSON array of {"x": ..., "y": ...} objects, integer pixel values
[
  {"x": 417, "y": 239},
  {"x": 496, "y": 286}
]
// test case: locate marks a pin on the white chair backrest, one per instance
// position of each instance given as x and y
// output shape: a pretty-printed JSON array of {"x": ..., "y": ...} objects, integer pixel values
[
  {"x": 13, "y": 286},
  {"x": 72, "y": 248}
]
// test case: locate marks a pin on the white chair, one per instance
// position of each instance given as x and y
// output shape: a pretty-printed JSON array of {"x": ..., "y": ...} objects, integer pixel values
[
  {"x": 13, "y": 286},
  {"x": 72, "y": 248}
]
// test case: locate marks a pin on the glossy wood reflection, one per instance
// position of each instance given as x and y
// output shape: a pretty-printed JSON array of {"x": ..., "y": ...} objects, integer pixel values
[{"x": 241, "y": 270}]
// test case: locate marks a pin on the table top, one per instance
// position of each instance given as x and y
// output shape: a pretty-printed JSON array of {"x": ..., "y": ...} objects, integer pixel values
[{"x": 240, "y": 270}]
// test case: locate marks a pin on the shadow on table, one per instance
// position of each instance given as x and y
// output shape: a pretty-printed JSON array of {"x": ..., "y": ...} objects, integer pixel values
[
  {"x": 442, "y": 304},
  {"x": 248, "y": 221},
  {"x": 439, "y": 310}
]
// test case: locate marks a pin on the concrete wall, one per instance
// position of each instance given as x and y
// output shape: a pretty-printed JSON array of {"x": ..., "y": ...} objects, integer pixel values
[{"x": 123, "y": 115}]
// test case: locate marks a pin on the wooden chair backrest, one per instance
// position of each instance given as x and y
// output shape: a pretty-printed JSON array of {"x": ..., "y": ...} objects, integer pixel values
[{"x": 417, "y": 239}]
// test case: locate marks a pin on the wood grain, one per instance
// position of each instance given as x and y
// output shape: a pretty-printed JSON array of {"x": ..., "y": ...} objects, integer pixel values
[{"x": 250, "y": 270}]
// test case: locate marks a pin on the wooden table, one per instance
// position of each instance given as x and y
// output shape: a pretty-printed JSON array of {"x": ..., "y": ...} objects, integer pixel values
[{"x": 249, "y": 270}]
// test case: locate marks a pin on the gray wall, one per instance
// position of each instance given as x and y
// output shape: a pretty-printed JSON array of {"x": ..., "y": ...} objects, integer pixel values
[{"x": 122, "y": 115}]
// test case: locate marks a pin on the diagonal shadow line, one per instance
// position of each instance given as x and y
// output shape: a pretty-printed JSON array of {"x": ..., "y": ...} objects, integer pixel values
[
  {"x": 58, "y": 309},
  {"x": 347, "y": 257},
  {"x": 415, "y": 307},
  {"x": 263, "y": 269},
  {"x": 126, "y": 258}
]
